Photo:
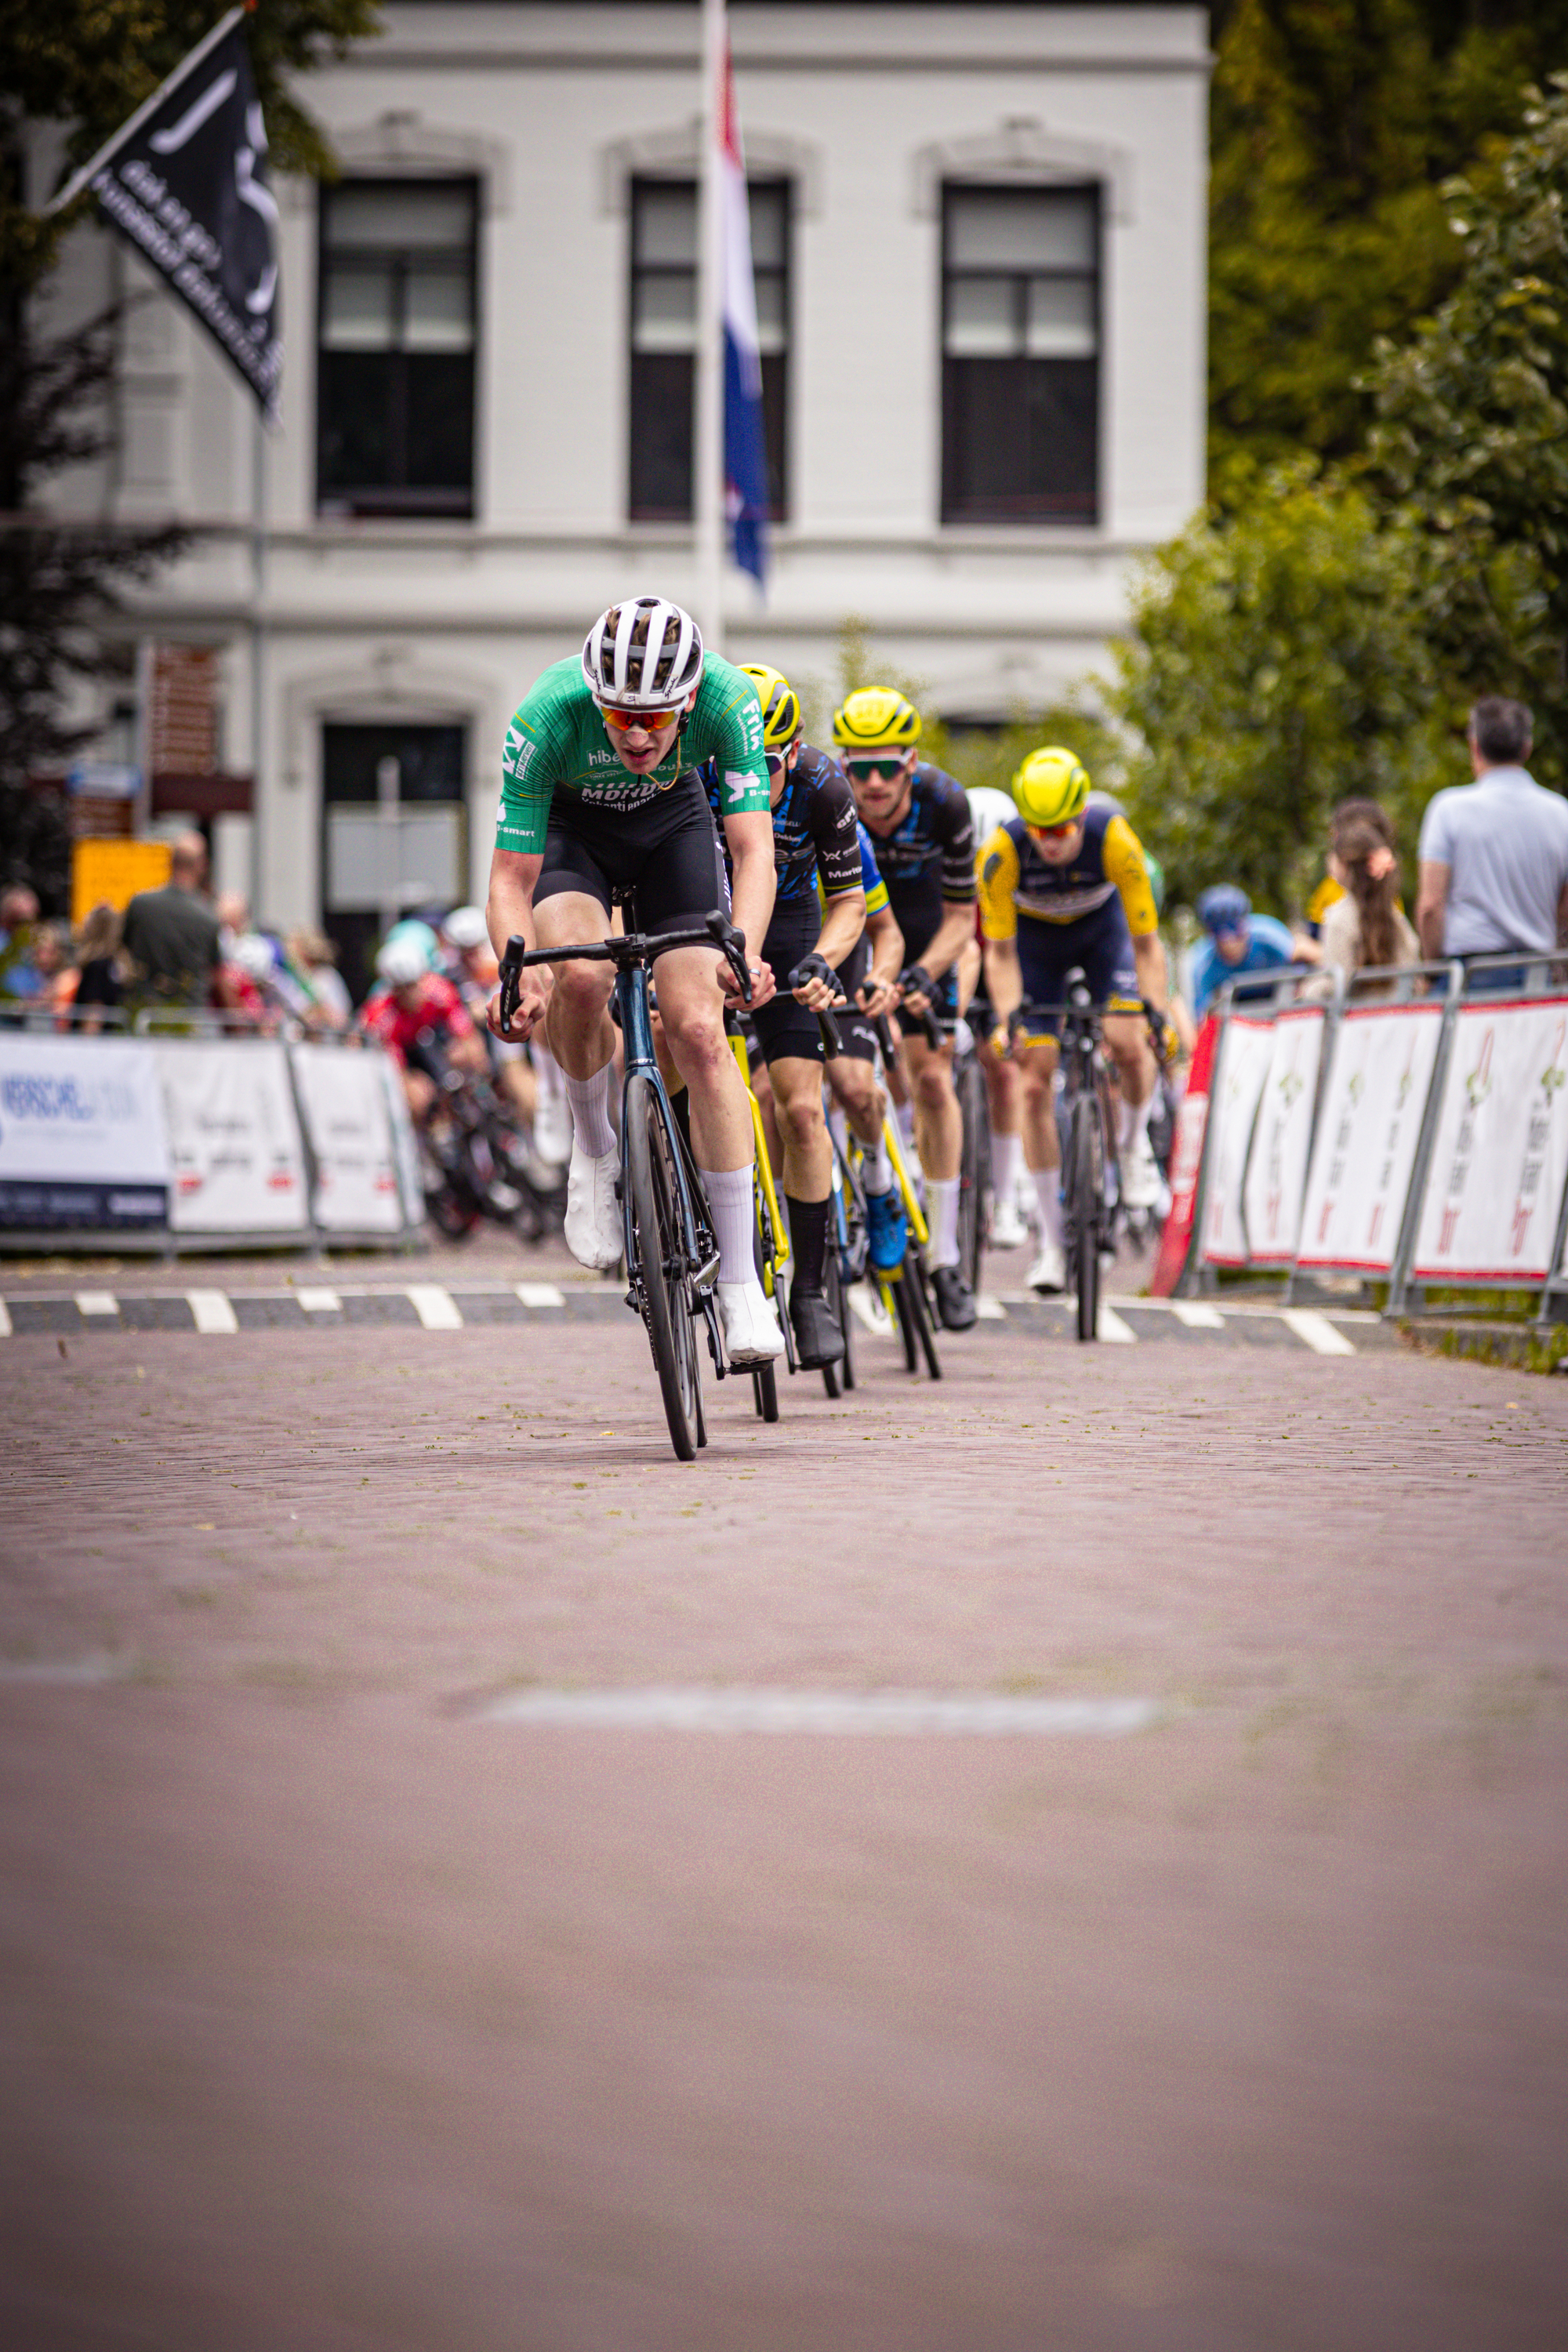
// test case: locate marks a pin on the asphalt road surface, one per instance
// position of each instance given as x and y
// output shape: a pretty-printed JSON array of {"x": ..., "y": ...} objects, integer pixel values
[{"x": 1073, "y": 1856}]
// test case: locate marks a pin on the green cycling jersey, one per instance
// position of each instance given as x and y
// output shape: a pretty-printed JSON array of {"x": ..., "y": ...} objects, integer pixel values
[{"x": 557, "y": 743}]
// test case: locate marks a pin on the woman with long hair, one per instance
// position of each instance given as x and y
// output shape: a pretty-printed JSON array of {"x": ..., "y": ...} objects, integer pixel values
[{"x": 1366, "y": 929}]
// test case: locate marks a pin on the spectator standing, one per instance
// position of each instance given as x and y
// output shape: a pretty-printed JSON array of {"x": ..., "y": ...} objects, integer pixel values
[
  {"x": 98, "y": 976},
  {"x": 314, "y": 960},
  {"x": 1494, "y": 853},
  {"x": 19, "y": 913},
  {"x": 1365, "y": 927},
  {"x": 171, "y": 936},
  {"x": 1238, "y": 941}
]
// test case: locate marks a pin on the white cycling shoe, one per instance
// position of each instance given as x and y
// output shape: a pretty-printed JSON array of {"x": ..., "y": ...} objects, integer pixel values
[
  {"x": 752, "y": 1334},
  {"x": 1009, "y": 1230},
  {"x": 1049, "y": 1271},
  {"x": 1141, "y": 1181},
  {"x": 593, "y": 1212}
]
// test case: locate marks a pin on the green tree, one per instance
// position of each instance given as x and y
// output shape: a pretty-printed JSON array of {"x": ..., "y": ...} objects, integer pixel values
[
  {"x": 1333, "y": 124},
  {"x": 1277, "y": 665},
  {"x": 1472, "y": 436}
]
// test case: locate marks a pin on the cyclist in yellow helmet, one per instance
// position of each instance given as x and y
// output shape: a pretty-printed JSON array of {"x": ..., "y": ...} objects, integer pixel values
[
  {"x": 918, "y": 818},
  {"x": 815, "y": 841},
  {"x": 1064, "y": 883}
]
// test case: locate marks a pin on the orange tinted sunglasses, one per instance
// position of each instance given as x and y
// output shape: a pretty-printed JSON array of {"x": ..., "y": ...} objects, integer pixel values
[{"x": 622, "y": 721}]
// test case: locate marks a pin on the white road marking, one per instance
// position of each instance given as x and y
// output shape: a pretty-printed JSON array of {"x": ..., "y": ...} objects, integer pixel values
[
  {"x": 1317, "y": 1332},
  {"x": 437, "y": 1308},
  {"x": 989, "y": 1309},
  {"x": 5, "y": 1320},
  {"x": 1109, "y": 1326},
  {"x": 318, "y": 1302},
  {"x": 1196, "y": 1316},
  {"x": 60, "y": 1670},
  {"x": 962, "y": 1713},
  {"x": 541, "y": 1294},
  {"x": 212, "y": 1310},
  {"x": 98, "y": 1302}
]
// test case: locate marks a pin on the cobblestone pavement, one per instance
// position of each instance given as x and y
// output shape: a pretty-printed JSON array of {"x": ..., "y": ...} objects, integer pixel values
[{"x": 1069, "y": 1856}]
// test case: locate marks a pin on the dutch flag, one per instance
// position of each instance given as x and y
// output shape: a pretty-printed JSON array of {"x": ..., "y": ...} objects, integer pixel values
[{"x": 745, "y": 460}]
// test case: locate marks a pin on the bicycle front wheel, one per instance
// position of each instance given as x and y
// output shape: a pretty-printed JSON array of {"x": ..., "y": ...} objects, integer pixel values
[
  {"x": 915, "y": 1317},
  {"x": 661, "y": 1273},
  {"x": 973, "y": 1170},
  {"x": 840, "y": 1376},
  {"x": 1086, "y": 1191}
]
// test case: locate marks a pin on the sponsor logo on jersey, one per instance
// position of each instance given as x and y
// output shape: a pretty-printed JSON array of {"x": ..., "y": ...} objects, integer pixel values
[{"x": 518, "y": 752}]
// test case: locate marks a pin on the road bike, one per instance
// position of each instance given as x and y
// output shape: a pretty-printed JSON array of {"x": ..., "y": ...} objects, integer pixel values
[
  {"x": 671, "y": 1254},
  {"x": 1086, "y": 1118}
]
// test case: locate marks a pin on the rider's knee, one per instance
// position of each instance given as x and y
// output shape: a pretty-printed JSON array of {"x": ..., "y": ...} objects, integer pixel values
[
  {"x": 934, "y": 1085},
  {"x": 800, "y": 1116},
  {"x": 696, "y": 1039},
  {"x": 580, "y": 993}
]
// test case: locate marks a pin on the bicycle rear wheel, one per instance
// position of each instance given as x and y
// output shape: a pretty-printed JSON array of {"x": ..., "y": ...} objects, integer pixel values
[
  {"x": 663, "y": 1277},
  {"x": 839, "y": 1376},
  {"x": 1085, "y": 1194},
  {"x": 973, "y": 1170},
  {"x": 915, "y": 1317}
]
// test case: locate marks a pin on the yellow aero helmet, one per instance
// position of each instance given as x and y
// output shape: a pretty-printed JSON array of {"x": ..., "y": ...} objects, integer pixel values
[
  {"x": 1051, "y": 787},
  {"x": 875, "y": 717},
  {"x": 781, "y": 705}
]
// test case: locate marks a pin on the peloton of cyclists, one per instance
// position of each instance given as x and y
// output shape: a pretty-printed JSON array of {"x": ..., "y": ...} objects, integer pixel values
[
  {"x": 815, "y": 841},
  {"x": 1063, "y": 884},
  {"x": 600, "y": 800},
  {"x": 918, "y": 818}
]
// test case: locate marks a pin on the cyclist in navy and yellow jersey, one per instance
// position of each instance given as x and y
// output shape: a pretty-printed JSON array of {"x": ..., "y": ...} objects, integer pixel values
[
  {"x": 815, "y": 845},
  {"x": 1065, "y": 883},
  {"x": 919, "y": 825},
  {"x": 869, "y": 979}
]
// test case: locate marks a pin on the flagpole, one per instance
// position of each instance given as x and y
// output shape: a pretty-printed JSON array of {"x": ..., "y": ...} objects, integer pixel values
[
  {"x": 128, "y": 130},
  {"x": 709, "y": 468},
  {"x": 258, "y": 656}
]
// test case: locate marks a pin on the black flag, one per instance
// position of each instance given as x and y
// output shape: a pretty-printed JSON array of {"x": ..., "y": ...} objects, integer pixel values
[{"x": 185, "y": 181}]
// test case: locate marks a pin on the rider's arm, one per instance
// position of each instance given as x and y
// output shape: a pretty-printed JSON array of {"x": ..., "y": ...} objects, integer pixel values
[
  {"x": 956, "y": 834},
  {"x": 1004, "y": 978},
  {"x": 1124, "y": 865},
  {"x": 510, "y": 910},
  {"x": 842, "y": 925},
  {"x": 749, "y": 836},
  {"x": 957, "y": 927},
  {"x": 878, "y": 988}
]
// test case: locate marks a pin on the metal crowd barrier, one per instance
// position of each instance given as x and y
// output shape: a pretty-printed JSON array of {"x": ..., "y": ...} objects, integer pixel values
[{"x": 1349, "y": 1163}]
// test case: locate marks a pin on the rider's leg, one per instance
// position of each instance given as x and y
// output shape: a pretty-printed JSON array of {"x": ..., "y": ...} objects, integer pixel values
[
  {"x": 1042, "y": 1144},
  {"x": 1004, "y": 1110},
  {"x": 807, "y": 1163},
  {"x": 578, "y": 1025},
  {"x": 938, "y": 1139},
  {"x": 762, "y": 1086},
  {"x": 861, "y": 1099}
]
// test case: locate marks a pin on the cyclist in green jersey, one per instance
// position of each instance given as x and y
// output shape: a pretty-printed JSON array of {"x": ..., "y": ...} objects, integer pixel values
[{"x": 600, "y": 803}]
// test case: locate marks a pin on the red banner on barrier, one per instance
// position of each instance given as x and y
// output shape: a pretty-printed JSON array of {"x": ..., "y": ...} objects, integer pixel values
[{"x": 1186, "y": 1160}]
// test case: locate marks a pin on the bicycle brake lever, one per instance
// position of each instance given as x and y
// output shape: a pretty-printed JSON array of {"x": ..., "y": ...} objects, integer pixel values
[
  {"x": 733, "y": 942},
  {"x": 512, "y": 977}
]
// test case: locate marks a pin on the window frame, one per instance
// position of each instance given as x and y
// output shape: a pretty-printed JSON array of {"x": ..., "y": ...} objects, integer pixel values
[
  {"x": 780, "y": 507},
  {"x": 401, "y": 502},
  {"x": 951, "y": 516}
]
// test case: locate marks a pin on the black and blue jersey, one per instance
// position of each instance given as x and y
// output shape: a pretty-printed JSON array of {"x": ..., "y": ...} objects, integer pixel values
[
  {"x": 814, "y": 828},
  {"x": 928, "y": 857}
]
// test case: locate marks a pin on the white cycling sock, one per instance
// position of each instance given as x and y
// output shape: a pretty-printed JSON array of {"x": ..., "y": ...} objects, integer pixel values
[
  {"x": 941, "y": 1216},
  {"x": 879, "y": 1166},
  {"x": 1005, "y": 1151},
  {"x": 729, "y": 1193},
  {"x": 590, "y": 1102},
  {"x": 1049, "y": 1191},
  {"x": 1132, "y": 1118}
]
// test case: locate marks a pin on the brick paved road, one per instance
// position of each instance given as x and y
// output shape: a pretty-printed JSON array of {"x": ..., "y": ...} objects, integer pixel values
[{"x": 344, "y": 2009}]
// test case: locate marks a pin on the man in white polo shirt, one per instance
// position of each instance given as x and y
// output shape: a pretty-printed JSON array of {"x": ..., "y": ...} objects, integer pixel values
[{"x": 1494, "y": 853}]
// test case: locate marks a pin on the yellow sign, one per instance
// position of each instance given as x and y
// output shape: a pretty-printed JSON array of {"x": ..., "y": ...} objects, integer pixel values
[{"x": 115, "y": 871}]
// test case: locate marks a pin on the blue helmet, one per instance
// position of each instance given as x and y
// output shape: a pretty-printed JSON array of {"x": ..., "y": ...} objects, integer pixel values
[{"x": 1223, "y": 909}]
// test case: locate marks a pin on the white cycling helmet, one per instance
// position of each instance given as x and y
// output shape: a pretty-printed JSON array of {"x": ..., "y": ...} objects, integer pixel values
[
  {"x": 254, "y": 954},
  {"x": 402, "y": 962},
  {"x": 466, "y": 927},
  {"x": 642, "y": 655},
  {"x": 988, "y": 808}
]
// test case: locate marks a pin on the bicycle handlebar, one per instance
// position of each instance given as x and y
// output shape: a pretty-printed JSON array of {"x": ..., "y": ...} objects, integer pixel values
[
  {"x": 633, "y": 947},
  {"x": 832, "y": 1035},
  {"x": 917, "y": 974}
]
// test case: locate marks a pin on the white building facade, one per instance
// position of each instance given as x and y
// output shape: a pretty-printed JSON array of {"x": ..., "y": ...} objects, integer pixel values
[{"x": 980, "y": 237}]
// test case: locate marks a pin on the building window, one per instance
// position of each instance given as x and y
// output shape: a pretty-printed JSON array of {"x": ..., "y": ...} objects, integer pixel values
[
  {"x": 396, "y": 337},
  {"x": 1020, "y": 354},
  {"x": 664, "y": 340}
]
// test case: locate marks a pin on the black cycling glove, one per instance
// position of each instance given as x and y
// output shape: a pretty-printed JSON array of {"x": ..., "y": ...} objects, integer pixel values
[
  {"x": 917, "y": 982},
  {"x": 813, "y": 967}
]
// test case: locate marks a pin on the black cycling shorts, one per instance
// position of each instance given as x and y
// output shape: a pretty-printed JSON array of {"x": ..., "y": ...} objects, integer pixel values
[
  {"x": 1101, "y": 945},
  {"x": 661, "y": 862},
  {"x": 855, "y": 1026},
  {"x": 786, "y": 1030}
]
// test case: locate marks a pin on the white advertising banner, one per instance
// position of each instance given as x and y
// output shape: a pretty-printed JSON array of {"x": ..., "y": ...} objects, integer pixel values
[
  {"x": 1277, "y": 1166},
  {"x": 81, "y": 1133},
  {"x": 1373, "y": 1103},
  {"x": 1500, "y": 1157},
  {"x": 343, "y": 1096},
  {"x": 234, "y": 1138},
  {"x": 1244, "y": 1055},
  {"x": 405, "y": 1141}
]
